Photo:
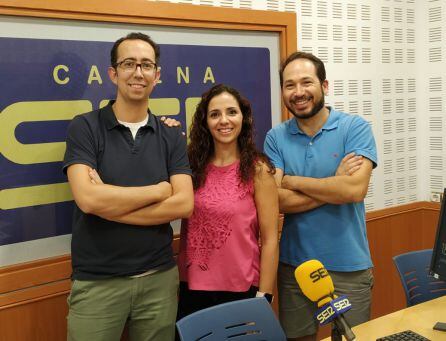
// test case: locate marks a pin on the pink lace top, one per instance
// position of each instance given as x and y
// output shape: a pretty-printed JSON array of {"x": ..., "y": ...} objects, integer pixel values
[{"x": 219, "y": 248}]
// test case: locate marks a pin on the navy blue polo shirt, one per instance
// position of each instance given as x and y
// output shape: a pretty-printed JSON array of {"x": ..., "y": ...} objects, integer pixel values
[{"x": 102, "y": 248}]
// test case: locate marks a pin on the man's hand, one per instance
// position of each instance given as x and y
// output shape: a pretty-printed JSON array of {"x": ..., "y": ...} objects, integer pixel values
[
  {"x": 349, "y": 164},
  {"x": 287, "y": 182},
  {"x": 171, "y": 122},
  {"x": 164, "y": 188},
  {"x": 94, "y": 177}
]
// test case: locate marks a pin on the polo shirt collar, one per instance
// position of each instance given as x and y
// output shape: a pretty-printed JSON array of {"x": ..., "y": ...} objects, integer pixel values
[
  {"x": 333, "y": 120},
  {"x": 332, "y": 123},
  {"x": 112, "y": 122}
]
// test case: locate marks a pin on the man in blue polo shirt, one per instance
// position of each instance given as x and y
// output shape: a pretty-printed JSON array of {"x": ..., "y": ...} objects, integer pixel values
[
  {"x": 324, "y": 159},
  {"x": 130, "y": 177}
]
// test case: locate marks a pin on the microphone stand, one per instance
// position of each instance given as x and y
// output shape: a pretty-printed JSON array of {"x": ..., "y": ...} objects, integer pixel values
[{"x": 341, "y": 327}]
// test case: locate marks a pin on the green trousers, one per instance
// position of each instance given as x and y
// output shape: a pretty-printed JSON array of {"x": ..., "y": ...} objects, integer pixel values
[{"x": 99, "y": 309}]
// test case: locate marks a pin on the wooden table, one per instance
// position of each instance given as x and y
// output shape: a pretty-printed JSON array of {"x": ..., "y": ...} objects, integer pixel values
[{"x": 419, "y": 318}]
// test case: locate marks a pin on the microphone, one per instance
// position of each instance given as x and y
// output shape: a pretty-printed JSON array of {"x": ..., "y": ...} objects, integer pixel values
[{"x": 317, "y": 285}]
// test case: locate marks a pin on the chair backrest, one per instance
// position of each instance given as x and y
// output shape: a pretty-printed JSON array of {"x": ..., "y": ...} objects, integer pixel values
[
  {"x": 419, "y": 286},
  {"x": 248, "y": 319}
]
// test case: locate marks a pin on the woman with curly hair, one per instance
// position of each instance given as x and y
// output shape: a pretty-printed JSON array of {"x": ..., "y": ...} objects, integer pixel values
[{"x": 235, "y": 201}]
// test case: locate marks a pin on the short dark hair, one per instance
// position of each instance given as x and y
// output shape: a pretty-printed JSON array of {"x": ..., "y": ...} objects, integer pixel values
[
  {"x": 133, "y": 36},
  {"x": 318, "y": 64}
]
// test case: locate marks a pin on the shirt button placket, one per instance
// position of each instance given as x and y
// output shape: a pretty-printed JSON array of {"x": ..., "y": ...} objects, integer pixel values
[{"x": 309, "y": 150}]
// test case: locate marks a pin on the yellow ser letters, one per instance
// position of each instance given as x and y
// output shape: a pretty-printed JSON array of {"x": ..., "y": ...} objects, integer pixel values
[{"x": 26, "y": 154}]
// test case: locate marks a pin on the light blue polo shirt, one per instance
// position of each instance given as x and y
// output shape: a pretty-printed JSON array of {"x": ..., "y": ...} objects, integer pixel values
[{"x": 334, "y": 234}]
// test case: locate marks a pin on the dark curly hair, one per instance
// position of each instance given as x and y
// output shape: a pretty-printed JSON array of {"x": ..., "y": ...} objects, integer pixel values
[{"x": 201, "y": 145}]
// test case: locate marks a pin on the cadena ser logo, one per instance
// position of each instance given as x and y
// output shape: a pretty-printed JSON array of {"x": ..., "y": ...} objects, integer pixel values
[
  {"x": 318, "y": 274},
  {"x": 45, "y": 83},
  {"x": 331, "y": 310}
]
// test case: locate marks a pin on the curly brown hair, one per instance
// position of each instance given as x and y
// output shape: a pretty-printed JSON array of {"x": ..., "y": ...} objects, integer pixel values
[{"x": 201, "y": 145}]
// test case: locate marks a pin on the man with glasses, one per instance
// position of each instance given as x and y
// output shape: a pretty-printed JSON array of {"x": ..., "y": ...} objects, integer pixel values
[{"x": 130, "y": 177}]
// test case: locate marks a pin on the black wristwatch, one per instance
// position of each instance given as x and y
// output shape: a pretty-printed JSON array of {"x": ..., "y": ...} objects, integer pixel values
[{"x": 269, "y": 297}]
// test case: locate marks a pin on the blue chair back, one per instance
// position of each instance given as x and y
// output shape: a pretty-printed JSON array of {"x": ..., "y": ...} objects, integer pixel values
[
  {"x": 251, "y": 319},
  {"x": 419, "y": 286}
]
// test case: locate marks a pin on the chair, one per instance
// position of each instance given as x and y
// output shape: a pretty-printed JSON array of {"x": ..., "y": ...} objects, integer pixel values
[
  {"x": 248, "y": 319},
  {"x": 419, "y": 286}
]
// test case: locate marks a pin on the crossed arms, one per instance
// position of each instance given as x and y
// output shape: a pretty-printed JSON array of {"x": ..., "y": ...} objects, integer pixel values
[
  {"x": 144, "y": 205},
  {"x": 349, "y": 184}
]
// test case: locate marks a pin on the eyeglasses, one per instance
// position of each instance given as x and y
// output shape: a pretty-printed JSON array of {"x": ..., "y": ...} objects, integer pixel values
[{"x": 130, "y": 65}]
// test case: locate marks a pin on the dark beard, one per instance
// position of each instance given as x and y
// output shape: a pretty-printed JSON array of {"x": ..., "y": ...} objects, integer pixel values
[{"x": 318, "y": 106}]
